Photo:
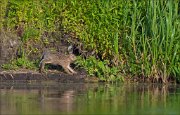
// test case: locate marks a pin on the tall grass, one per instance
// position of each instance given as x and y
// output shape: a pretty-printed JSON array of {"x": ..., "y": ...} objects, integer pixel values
[
  {"x": 160, "y": 40},
  {"x": 154, "y": 40},
  {"x": 141, "y": 36}
]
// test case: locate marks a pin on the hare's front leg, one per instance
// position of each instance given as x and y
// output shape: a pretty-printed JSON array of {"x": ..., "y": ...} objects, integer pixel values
[{"x": 71, "y": 70}]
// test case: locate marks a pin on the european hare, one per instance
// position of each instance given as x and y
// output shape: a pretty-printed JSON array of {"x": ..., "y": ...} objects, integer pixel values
[{"x": 58, "y": 59}]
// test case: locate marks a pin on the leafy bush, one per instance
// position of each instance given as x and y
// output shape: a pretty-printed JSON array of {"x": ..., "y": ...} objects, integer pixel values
[{"x": 100, "y": 69}]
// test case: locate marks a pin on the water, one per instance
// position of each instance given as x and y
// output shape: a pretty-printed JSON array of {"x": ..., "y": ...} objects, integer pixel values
[{"x": 83, "y": 98}]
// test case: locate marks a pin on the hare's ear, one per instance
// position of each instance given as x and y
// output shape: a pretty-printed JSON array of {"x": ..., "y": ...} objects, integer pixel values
[{"x": 70, "y": 49}]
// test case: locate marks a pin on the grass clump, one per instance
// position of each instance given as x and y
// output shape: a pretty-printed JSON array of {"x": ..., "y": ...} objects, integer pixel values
[{"x": 20, "y": 63}]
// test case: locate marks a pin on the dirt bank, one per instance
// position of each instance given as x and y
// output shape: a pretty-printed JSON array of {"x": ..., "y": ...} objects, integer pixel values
[{"x": 31, "y": 75}]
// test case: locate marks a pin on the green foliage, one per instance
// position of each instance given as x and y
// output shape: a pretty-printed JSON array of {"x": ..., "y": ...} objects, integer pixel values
[
  {"x": 96, "y": 23},
  {"x": 19, "y": 63},
  {"x": 3, "y": 4},
  {"x": 99, "y": 69},
  {"x": 143, "y": 35},
  {"x": 148, "y": 31},
  {"x": 37, "y": 14},
  {"x": 30, "y": 33}
]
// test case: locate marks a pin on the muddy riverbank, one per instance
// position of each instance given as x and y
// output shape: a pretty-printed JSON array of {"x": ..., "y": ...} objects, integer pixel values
[{"x": 30, "y": 75}]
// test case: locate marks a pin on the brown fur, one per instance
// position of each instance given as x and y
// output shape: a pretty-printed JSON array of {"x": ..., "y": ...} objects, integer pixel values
[{"x": 58, "y": 59}]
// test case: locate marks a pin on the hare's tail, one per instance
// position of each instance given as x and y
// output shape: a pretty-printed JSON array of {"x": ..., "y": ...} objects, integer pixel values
[{"x": 70, "y": 49}]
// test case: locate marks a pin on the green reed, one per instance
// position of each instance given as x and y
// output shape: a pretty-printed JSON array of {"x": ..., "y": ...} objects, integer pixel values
[{"x": 156, "y": 48}]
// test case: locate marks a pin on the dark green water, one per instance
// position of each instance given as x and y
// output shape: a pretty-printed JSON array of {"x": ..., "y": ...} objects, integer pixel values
[{"x": 56, "y": 98}]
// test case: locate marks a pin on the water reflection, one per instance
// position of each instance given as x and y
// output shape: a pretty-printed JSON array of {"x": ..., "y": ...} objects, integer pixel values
[
  {"x": 61, "y": 101},
  {"x": 55, "y": 98}
]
